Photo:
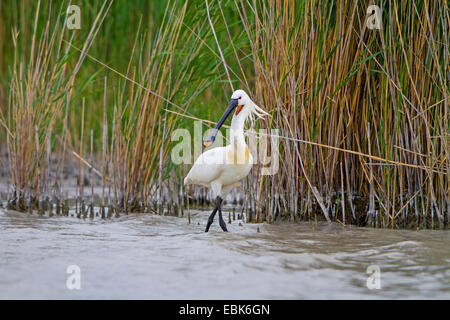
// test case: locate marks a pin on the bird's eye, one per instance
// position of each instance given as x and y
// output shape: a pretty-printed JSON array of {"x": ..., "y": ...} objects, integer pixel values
[{"x": 239, "y": 98}]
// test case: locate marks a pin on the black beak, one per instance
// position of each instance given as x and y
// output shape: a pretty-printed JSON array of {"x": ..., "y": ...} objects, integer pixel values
[{"x": 231, "y": 106}]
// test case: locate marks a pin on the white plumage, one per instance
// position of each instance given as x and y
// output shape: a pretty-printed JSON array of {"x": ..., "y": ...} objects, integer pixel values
[{"x": 220, "y": 168}]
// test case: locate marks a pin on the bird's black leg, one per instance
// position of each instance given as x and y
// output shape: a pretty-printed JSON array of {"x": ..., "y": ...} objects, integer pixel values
[
  {"x": 211, "y": 216},
  {"x": 222, "y": 223}
]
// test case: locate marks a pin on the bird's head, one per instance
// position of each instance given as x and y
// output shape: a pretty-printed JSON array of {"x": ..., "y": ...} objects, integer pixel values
[
  {"x": 245, "y": 105},
  {"x": 242, "y": 106}
]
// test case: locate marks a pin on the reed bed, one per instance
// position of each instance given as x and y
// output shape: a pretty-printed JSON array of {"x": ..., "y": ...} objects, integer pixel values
[
  {"x": 363, "y": 114},
  {"x": 328, "y": 79},
  {"x": 39, "y": 93},
  {"x": 140, "y": 144}
]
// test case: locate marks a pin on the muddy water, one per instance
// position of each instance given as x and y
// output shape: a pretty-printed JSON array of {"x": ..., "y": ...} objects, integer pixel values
[{"x": 148, "y": 256}]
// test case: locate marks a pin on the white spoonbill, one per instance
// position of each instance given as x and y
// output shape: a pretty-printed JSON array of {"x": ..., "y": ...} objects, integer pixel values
[{"x": 220, "y": 168}]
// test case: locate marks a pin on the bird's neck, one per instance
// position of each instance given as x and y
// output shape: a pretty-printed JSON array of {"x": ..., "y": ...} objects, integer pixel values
[{"x": 237, "y": 130}]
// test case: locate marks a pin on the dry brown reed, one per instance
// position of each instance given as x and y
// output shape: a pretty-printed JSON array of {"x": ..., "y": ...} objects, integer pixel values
[
  {"x": 326, "y": 78},
  {"x": 141, "y": 125},
  {"x": 363, "y": 114},
  {"x": 41, "y": 87}
]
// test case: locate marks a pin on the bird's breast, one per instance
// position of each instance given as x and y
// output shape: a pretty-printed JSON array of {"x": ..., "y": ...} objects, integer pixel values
[{"x": 238, "y": 156}]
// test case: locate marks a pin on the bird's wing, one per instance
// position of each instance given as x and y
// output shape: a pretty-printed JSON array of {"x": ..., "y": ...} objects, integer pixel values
[{"x": 208, "y": 167}]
